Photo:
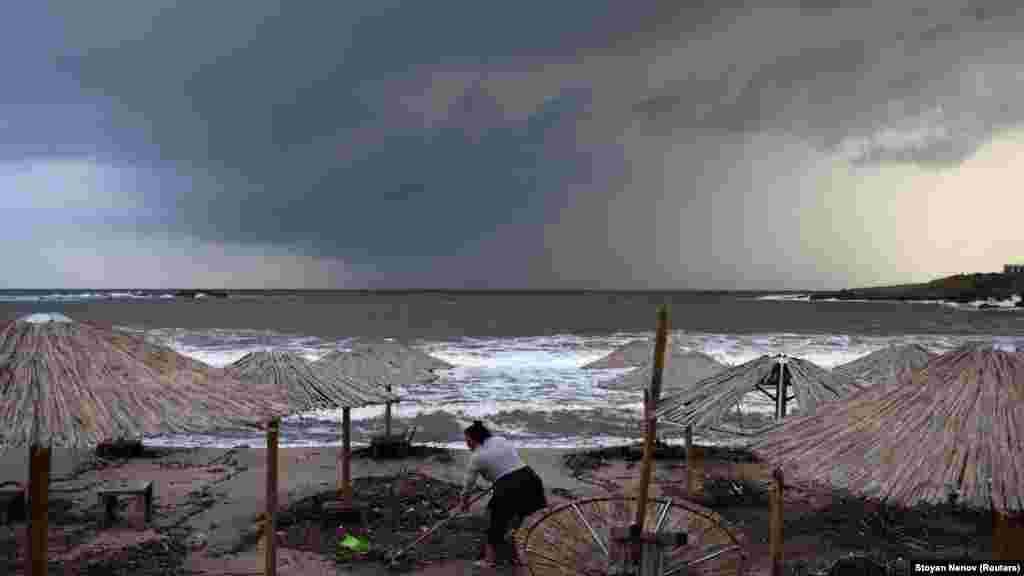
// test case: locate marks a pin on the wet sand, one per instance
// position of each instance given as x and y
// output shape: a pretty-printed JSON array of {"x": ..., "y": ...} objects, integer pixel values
[
  {"x": 211, "y": 498},
  {"x": 209, "y": 501}
]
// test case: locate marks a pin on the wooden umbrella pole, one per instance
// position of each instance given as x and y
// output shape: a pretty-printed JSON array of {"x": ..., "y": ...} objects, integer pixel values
[
  {"x": 650, "y": 402},
  {"x": 39, "y": 488},
  {"x": 387, "y": 416},
  {"x": 775, "y": 523},
  {"x": 780, "y": 391},
  {"x": 346, "y": 453},
  {"x": 270, "y": 527},
  {"x": 691, "y": 462}
]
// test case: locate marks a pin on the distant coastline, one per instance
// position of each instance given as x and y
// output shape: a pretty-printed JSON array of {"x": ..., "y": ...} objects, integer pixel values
[{"x": 979, "y": 290}]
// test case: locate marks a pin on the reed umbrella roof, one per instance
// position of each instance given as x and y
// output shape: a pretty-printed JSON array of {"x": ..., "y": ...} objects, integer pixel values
[
  {"x": 407, "y": 358},
  {"x": 682, "y": 370},
  {"x": 885, "y": 365},
  {"x": 635, "y": 353},
  {"x": 367, "y": 366},
  {"x": 954, "y": 428},
  {"x": 76, "y": 384},
  {"x": 706, "y": 404},
  {"x": 308, "y": 386}
]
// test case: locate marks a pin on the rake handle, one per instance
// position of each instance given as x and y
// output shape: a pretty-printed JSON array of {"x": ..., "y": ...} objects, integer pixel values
[{"x": 451, "y": 516}]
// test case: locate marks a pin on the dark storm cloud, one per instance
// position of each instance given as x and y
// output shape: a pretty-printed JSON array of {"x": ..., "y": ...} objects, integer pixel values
[
  {"x": 831, "y": 75},
  {"x": 509, "y": 141},
  {"x": 257, "y": 105}
]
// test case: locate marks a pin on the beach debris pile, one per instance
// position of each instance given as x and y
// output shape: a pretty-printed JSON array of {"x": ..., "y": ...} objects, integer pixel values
[
  {"x": 396, "y": 510},
  {"x": 417, "y": 451},
  {"x": 589, "y": 460}
]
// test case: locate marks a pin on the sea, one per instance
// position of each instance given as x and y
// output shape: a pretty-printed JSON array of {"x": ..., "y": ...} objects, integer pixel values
[{"x": 518, "y": 357}]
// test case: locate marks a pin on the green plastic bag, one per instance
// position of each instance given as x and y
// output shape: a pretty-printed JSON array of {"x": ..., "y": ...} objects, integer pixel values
[{"x": 355, "y": 544}]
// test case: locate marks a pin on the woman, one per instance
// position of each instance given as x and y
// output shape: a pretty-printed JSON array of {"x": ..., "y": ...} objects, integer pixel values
[{"x": 518, "y": 491}]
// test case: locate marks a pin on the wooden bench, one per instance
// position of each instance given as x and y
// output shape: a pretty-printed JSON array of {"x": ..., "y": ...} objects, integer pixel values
[{"x": 109, "y": 494}]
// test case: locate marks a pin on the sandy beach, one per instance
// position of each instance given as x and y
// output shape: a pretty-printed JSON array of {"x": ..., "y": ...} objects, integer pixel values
[
  {"x": 210, "y": 499},
  {"x": 208, "y": 504}
]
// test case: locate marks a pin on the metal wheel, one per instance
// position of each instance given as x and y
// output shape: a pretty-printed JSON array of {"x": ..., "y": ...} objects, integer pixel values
[{"x": 572, "y": 539}]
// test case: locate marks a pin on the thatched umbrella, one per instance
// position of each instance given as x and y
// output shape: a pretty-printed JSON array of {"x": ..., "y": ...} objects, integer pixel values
[
  {"x": 634, "y": 353},
  {"x": 954, "y": 430},
  {"x": 884, "y": 365},
  {"x": 366, "y": 365},
  {"x": 682, "y": 370},
  {"x": 74, "y": 384},
  {"x": 311, "y": 387},
  {"x": 621, "y": 535},
  {"x": 707, "y": 402},
  {"x": 409, "y": 360}
]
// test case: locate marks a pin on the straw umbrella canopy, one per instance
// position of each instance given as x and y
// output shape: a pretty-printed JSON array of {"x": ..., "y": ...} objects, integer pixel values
[
  {"x": 635, "y": 353},
  {"x": 409, "y": 360},
  {"x": 311, "y": 387},
  {"x": 368, "y": 365},
  {"x": 885, "y": 365},
  {"x": 708, "y": 402},
  {"x": 952, "y": 430},
  {"x": 682, "y": 370},
  {"x": 308, "y": 385},
  {"x": 76, "y": 384}
]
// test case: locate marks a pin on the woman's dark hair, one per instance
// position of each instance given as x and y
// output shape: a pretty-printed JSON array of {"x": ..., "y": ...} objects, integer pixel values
[{"x": 478, "y": 432}]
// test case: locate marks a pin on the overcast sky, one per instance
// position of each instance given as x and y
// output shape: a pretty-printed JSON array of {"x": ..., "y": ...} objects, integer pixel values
[{"x": 532, "y": 144}]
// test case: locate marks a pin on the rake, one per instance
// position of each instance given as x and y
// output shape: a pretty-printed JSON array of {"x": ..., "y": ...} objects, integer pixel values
[{"x": 452, "y": 514}]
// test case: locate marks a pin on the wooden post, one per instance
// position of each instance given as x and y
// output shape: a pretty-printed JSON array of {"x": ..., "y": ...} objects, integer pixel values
[
  {"x": 650, "y": 400},
  {"x": 270, "y": 527},
  {"x": 346, "y": 453},
  {"x": 39, "y": 488},
  {"x": 660, "y": 343},
  {"x": 387, "y": 416},
  {"x": 998, "y": 541},
  {"x": 775, "y": 523},
  {"x": 780, "y": 391},
  {"x": 1007, "y": 534},
  {"x": 691, "y": 462}
]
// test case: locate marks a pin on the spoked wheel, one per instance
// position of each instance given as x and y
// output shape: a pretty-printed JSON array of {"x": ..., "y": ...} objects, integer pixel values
[{"x": 572, "y": 539}]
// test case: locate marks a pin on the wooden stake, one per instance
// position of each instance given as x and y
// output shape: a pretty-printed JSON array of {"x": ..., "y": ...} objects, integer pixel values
[
  {"x": 346, "y": 453},
  {"x": 660, "y": 343},
  {"x": 270, "y": 527},
  {"x": 691, "y": 462},
  {"x": 1007, "y": 534},
  {"x": 387, "y": 416},
  {"x": 775, "y": 523},
  {"x": 780, "y": 391},
  {"x": 39, "y": 488},
  {"x": 650, "y": 401}
]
